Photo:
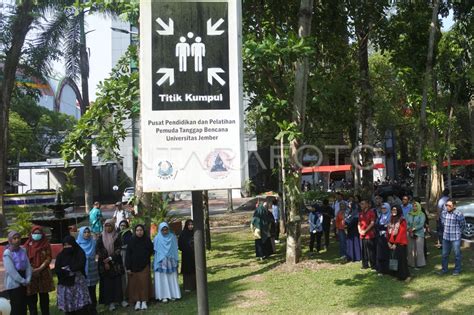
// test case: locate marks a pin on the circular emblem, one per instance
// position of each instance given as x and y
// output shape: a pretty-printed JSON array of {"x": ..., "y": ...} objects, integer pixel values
[
  {"x": 218, "y": 164},
  {"x": 165, "y": 170}
]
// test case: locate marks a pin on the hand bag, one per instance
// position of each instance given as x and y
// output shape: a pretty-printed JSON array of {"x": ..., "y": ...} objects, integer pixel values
[{"x": 393, "y": 262}]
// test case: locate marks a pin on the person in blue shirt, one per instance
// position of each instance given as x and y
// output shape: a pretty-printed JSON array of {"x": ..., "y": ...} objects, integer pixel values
[
  {"x": 453, "y": 222},
  {"x": 407, "y": 206},
  {"x": 315, "y": 228},
  {"x": 95, "y": 219},
  {"x": 276, "y": 217}
]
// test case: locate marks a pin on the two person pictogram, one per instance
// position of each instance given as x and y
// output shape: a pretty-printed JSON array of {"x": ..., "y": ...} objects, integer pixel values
[{"x": 185, "y": 50}]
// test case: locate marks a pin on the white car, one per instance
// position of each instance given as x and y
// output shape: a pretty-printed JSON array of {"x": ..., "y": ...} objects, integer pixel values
[
  {"x": 128, "y": 193},
  {"x": 467, "y": 208}
]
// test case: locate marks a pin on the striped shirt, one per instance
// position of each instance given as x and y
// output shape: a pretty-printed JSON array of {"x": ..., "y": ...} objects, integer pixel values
[{"x": 453, "y": 223}]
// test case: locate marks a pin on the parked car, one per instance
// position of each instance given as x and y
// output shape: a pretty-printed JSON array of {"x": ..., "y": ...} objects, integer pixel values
[
  {"x": 467, "y": 208},
  {"x": 460, "y": 186},
  {"x": 128, "y": 193},
  {"x": 386, "y": 190}
]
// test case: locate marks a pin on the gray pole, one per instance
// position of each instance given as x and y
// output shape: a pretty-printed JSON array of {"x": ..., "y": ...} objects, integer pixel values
[{"x": 200, "y": 253}]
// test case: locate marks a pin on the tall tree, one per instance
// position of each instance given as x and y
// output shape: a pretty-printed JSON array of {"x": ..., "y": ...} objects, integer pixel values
[
  {"x": 20, "y": 25},
  {"x": 427, "y": 87},
  {"x": 293, "y": 247}
]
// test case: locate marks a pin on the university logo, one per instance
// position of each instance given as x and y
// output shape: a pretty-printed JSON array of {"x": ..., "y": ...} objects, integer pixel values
[{"x": 166, "y": 170}]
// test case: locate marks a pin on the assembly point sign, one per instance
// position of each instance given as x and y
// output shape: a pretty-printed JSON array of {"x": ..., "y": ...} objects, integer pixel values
[{"x": 191, "y": 94}]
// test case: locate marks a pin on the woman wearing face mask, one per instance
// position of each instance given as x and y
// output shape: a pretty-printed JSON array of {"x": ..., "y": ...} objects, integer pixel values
[
  {"x": 166, "y": 264},
  {"x": 383, "y": 253},
  {"x": 111, "y": 267},
  {"x": 73, "y": 295},
  {"x": 139, "y": 251},
  {"x": 397, "y": 242},
  {"x": 39, "y": 253},
  {"x": 88, "y": 245},
  {"x": 17, "y": 273},
  {"x": 186, "y": 246}
]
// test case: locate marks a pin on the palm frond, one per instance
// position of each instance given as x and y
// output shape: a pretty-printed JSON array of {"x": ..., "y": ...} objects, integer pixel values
[
  {"x": 72, "y": 48},
  {"x": 53, "y": 31}
]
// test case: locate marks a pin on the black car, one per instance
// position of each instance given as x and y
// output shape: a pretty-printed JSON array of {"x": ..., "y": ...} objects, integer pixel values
[
  {"x": 392, "y": 189},
  {"x": 460, "y": 186}
]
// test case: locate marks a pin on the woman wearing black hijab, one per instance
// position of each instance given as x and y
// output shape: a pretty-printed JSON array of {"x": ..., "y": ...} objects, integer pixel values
[
  {"x": 72, "y": 294},
  {"x": 137, "y": 262},
  {"x": 186, "y": 246}
]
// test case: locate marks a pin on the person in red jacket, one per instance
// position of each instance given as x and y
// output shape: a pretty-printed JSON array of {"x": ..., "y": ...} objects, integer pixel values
[
  {"x": 367, "y": 234},
  {"x": 397, "y": 242}
]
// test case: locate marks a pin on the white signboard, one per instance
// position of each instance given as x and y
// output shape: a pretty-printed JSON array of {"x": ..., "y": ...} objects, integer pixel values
[{"x": 191, "y": 94}]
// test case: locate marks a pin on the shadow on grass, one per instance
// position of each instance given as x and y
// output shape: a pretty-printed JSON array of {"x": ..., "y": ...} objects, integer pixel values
[{"x": 425, "y": 294}]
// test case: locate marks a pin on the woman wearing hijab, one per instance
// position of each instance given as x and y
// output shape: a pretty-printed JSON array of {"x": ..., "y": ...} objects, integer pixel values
[
  {"x": 260, "y": 228},
  {"x": 397, "y": 242},
  {"x": 166, "y": 264},
  {"x": 139, "y": 252},
  {"x": 383, "y": 252},
  {"x": 351, "y": 218},
  {"x": 88, "y": 245},
  {"x": 72, "y": 295},
  {"x": 39, "y": 254},
  {"x": 18, "y": 273},
  {"x": 111, "y": 267},
  {"x": 416, "y": 236},
  {"x": 125, "y": 238},
  {"x": 188, "y": 266}
]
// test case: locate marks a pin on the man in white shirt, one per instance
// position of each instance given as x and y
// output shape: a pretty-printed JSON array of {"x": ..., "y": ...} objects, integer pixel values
[{"x": 120, "y": 214}]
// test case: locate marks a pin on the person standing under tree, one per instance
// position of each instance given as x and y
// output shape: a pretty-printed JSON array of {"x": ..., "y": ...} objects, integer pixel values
[
  {"x": 397, "y": 243},
  {"x": 137, "y": 263},
  {"x": 73, "y": 295},
  {"x": 367, "y": 234},
  {"x": 315, "y": 220},
  {"x": 88, "y": 245},
  {"x": 39, "y": 253},
  {"x": 276, "y": 218},
  {"x": 453, "y": 222},
  {"x": 328, "y": 215},
  {"x": 166, "y": 264},
  {"x": 95, "y": 219},
  {"x": 120, "y": 214},
  {"x": 416, "y": 236},
  {"x": 18, "y": 273},
  {"x": 110, "y": 266},
  {"x": 188, "y": 266}
]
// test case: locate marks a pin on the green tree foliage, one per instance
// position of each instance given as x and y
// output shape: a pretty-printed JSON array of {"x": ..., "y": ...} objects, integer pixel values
[
  {"x": 20, "y": 137},
  {"x": 102, "y": 124},
  {"x": 47, "y": 128}
]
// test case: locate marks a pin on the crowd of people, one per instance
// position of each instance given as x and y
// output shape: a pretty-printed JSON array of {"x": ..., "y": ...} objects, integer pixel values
[
  {"x": 388, "y": 237},
  {"x": 111, "y": 255}
]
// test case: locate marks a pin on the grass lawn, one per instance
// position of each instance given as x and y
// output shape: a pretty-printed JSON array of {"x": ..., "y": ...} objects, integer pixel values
[{"x": 238, "y": 284}]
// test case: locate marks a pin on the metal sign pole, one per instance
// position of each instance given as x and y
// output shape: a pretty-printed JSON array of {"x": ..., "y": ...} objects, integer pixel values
[{"x": 200, "y": 253}]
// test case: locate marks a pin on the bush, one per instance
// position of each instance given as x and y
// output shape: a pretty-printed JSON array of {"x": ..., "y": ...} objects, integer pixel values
[{"x": 22, "y": 223}]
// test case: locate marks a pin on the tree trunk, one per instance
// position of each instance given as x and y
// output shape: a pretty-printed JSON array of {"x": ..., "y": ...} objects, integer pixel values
[
  {"x": 207, "y": 227},
  {"x": 143, "y": 204},
  {"x": 365, "y": 105},
  {"x": 448, "y": 141},
  {"x": 426, "y": 87},
  {"x": 283, "y": 194},
  {"x": 470, "y": 105},
  {"x": 19, "y": 29},
  {"x": 87, "y": 162},
  {"x": 293, "y": 245}
]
